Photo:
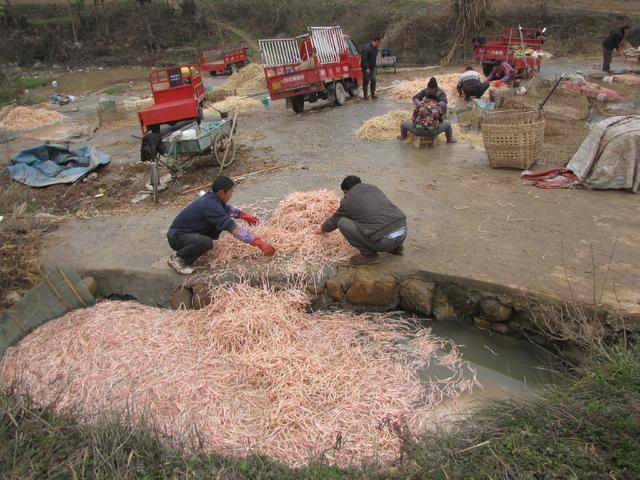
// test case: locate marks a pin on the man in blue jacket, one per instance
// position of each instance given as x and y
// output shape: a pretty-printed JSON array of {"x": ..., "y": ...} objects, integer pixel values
[{"x": 196, "y": 227}]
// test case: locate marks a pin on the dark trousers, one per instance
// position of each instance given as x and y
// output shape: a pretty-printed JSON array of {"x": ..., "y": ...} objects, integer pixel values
[
  {"x": 368, "y": 79},
  {"x": 607, "y": 55},
  {"x": 190, "y": 246},
  {"x": 419, "y": 132},
  {"x": 476, "y": 91},
  {"x": 367, "y": 247}
]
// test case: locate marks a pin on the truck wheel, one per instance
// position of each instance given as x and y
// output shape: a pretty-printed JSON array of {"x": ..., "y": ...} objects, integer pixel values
[
  {"x": 154, "y": 128},
  {"x": 234, "y": 68},
  {"x": 486, "y": 68},
  {"x": 213, "y": 73},
  {"x": 297, "y": 103},
  {"x": 340, "y": 94}
]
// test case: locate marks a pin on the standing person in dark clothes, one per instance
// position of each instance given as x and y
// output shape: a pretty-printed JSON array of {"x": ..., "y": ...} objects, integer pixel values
[
  {"x": 192, "y": 232},
  {"x": 368, "y": 220},
  {"x": 368, "y": 63},
  {"x": 469, "y": 84},
  {"x": 611, "y": 43},
  {"x": 433, "y": 92}
]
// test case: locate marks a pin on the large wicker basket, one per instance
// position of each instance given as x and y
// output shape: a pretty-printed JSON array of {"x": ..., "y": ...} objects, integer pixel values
[{"x": 513, "y": 138}]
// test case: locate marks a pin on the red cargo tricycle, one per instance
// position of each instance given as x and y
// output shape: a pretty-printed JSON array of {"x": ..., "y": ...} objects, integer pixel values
[
  {"x": 178, "y": 95},
  {"x": 324, "y": 63},
  {"x": 520, "y": 47},
  {"x": 228, "y": 59}
]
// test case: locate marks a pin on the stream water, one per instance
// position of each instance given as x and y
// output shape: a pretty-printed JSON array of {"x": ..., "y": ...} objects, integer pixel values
[{"x": 505, "y": 366}]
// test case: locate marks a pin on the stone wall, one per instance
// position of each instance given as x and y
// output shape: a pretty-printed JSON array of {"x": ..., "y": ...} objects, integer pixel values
[{"x": 497, "y": 308}]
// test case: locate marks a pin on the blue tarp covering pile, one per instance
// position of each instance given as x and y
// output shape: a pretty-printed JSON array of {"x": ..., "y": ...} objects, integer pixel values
[{"x": 50, "y": 164}]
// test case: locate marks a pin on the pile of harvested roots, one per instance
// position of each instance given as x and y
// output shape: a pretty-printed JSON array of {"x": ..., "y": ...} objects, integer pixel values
[
  {"x": 29, "y": 118},
  {"x": 249, "y": 79},
  {"x": 253, "y": 372},
  {"x": 383, "y": 127},
  {"x": 405, "y": 90},
  {"x": 293, "y": 231}
]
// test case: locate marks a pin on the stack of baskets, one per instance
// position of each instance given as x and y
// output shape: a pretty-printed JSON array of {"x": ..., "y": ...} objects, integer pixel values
[{"x": 513, "y": 138}]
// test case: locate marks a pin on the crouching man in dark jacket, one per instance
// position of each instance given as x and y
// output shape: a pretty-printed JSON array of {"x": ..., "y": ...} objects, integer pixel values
[
  {"x": 195, "y": 228},
  {"x": 368, "y": 220}
]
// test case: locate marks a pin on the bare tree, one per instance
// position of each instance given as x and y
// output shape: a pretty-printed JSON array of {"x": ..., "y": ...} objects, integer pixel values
[{"x": 468, "y": 17}]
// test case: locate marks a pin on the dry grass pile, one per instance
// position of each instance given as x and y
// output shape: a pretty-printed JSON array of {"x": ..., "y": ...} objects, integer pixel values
[
  {"x": 383, "y": 127},
  {"x": 292, "y": 230},
  {"x": 404, "y": 91},
  {"x": 29, "y": 118},
  {"x": 230, "y": 104},
  {"x": 632, "y": 79},
  {"x": 137, "y": 105},
  {"x": 251, "y": 373},
  {"x": 249, "y": 79}
]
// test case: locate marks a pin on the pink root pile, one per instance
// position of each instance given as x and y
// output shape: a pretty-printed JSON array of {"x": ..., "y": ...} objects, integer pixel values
[
  {"x": 292, "y": 230},
  {"x": 252, "y": 372}
]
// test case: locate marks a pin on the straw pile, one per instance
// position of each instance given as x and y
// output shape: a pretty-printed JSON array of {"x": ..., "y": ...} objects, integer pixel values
[
  {"x": 628, "y": 78},
  {"x": 383, "y": 127},
  {"x": 251, "y": 373},
  {"x": 292, "y": 230},
  {"x": 137, "y": 105},
  {"x": 249, "y": 79},
  {"x": 404, "y": 91},
  {"x": 26, "y": 118},
  {"x": 230, "y": 104}
]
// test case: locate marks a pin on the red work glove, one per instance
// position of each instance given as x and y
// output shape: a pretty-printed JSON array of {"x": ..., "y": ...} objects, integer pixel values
[
  {"x": 267, "y": 249},
  {"x": 250, "y": 219}
]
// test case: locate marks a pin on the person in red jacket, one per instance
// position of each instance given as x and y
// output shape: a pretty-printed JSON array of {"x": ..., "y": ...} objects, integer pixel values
[{"x": 193, "y": 231}]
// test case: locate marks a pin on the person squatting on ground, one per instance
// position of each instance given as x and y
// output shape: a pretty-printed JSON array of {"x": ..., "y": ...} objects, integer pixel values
[
  {"x": 368, "y": 220},
  {"x": 426, "y": 121},
  {"x": 502, "y": 71},
  {"x": 192, "y": 232},
  {"x": 469, "y": 84},
  {"x": 611, "y": 43},
  {"x": 368, "y": 61},
  {"x": 434, "y": 93}
]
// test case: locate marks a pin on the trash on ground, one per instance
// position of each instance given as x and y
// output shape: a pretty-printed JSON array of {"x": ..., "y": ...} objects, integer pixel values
[{"x": 50, "y": 164}]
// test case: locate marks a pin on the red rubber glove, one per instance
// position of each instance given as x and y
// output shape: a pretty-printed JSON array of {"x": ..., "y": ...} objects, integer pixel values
[
  {"x": 250, "y": 219},
  {"x": 267, "y": 249}
]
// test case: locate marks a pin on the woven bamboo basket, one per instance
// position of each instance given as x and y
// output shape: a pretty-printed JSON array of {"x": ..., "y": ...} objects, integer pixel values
[{"x": 513, "y": 138}]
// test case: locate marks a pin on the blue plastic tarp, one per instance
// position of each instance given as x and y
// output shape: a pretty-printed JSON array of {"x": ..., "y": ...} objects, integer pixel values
[{"x": 51, "y": 164}]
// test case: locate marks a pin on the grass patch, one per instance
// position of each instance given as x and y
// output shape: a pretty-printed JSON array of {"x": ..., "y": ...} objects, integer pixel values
[
  {"x": 116, "y": 89},
  {"x": 32, "y": 83},
  {"x": 587, "y": 429}
]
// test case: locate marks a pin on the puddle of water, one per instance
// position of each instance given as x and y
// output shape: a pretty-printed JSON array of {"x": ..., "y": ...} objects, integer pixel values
[
  {"x": 505, "y": 366},
  {"x": 76, "y": 82}
]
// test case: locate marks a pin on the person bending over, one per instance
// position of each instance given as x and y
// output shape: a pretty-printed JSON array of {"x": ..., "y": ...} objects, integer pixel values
[
  {"x": 434, "y": 93},
  {"x": 193, "y": 231},
  {"x": 426, "y": 121},
  {"x": 368, "y": 220},
  {"x": 502, "y": 71},
  {"x": 469, "y": 84}
]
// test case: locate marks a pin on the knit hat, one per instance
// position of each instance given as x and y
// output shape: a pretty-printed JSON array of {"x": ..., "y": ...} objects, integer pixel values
[
  {"x": 433, "y": 83},
  {"x": 349, "y": 182}
]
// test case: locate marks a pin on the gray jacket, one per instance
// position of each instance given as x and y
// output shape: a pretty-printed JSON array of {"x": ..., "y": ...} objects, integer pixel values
[{"x": 370, "y": 209}]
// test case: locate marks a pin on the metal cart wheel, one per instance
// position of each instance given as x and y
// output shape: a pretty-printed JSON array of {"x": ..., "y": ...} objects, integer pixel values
[
  {"x": 219, "y": 146},
  {"x": 155, "y": 179}
]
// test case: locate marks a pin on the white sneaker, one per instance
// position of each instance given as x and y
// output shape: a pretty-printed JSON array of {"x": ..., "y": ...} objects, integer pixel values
[{"x": 178, "y": 265}]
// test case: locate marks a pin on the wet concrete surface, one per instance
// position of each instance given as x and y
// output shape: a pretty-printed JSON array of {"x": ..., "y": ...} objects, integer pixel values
[{"x": 465, "y": 219}]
